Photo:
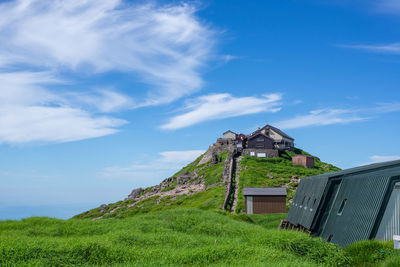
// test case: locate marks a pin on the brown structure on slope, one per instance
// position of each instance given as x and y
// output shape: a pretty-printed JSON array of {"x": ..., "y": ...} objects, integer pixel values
[
  {"x": 261, "y": 200},
  {"x": 303, "y": 160}
]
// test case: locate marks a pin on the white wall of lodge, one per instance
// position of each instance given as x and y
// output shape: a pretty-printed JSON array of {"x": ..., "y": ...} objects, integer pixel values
[{"x": 229, "y": 135}]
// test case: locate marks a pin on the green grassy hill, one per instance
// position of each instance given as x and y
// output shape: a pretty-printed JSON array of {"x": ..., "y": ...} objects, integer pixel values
[
  {"x": 177, "y": 237},
  {"x": 257, "y": 172},
  {"x": 188, "y": 229}
]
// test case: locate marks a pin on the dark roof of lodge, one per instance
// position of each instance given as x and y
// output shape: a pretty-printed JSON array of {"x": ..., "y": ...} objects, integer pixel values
[
  {"x": 264, "y": 191},
  {"x": 277, "y": 130},
  {"x": 257, "y": 134}
]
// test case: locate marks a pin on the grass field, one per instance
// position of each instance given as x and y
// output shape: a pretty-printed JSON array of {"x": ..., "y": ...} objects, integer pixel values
[
  {"x": 177, "y": 237},
  {"x": 174, "y": 237},
  {"x": 190, "y": 230}
]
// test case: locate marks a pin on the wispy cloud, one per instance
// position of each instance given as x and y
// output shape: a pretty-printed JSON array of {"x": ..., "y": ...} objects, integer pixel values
[
  {"x": 162, "y": 167},
  {"x": 388, "y": 6},
  {"x": 319, "y": 118},
  {"x": 162, "y": 46},
  {"x": 393, "y": 48},
  {"x": 380, "y": 158},
  {"x": 331, "y": 116},
  {"x": 52, "y": 124},
  {"x": 31, "y": 113},
  {"x": 102, "y": 100},
  {"x": 219, "y": 106},
  {"x": 180, "y": 156}
]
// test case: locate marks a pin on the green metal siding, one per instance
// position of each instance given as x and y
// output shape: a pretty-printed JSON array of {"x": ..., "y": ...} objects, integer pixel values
[
  {"x": 364, "y": 196},
  {"x": 367, "y": 190},
  {"x": 310, "y": 190},
  {"x": 390, "y": 224}
]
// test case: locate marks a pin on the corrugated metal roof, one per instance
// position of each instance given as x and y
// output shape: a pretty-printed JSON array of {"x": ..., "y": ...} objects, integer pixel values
[
  {"x": 367, "y": 190},
  {"x": 364, "y": 194},
  {"x": 264, "y": 191},
  {"x": 309, "y": 191}
]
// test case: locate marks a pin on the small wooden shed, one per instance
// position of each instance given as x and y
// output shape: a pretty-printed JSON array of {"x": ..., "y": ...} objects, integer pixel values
[
  {"x": 303, "y": 160},
  {"x": 260, "y": 200}
]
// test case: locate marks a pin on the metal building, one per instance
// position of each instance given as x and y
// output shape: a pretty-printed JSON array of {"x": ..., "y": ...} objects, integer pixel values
[
  {"x": 260, "y": 200},
  {"x": 350, "y": 205}
]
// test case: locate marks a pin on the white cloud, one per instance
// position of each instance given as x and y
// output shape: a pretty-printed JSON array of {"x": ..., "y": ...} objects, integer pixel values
[
  {"x": 180, "y": 156},
  {"x": 102, "y": 100},
  {"x": 22, "y": 124},
  {"x": 319, "y": 118},
  {"x": 378, "y": 158},
  {"x": 393, "y": 48},
  {"x": 385, "y": 108},
  {"x": 164, "y": 45},
  {"x": 156, "y": 170},
  {"x": 331, "y": 116},
  {"x": 31, "y": 113},
  {"x": 219, "y": 106}
]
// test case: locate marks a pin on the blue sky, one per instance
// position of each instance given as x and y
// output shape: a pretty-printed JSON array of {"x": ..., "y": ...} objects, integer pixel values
[{"x": 100, "y": 97}]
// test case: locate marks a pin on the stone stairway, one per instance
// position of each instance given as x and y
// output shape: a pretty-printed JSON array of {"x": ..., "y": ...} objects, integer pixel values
[{"x": 237, "y": 168}]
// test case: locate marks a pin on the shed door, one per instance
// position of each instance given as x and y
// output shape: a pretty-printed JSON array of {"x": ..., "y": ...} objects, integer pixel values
[
  {"x": 249, "y": 205},
  {"x": 390, "y": 224}
]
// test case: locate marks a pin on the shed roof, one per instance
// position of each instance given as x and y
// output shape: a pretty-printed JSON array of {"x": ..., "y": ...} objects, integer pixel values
[
  {"x": 264, "y": 191},
  {"x": 305, "y": 156}
]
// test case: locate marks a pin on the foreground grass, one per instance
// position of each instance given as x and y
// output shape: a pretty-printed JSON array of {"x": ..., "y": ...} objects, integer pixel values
[
  {"x": 173, "y": 237},
  {"x": 373, "y": 253}
]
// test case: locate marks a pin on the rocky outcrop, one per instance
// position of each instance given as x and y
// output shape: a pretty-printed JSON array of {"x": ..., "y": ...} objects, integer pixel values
[
  {"x": 215, "y": 149},
  {"x": 102, "y": 207},
  {"x": 135, "y": 193}
]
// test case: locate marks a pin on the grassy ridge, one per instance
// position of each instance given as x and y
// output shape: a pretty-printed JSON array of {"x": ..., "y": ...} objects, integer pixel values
[
  {"x": 210, "y": 199},
  {"x": 257, "y": 172},
  {"x": 254, "y": 172},
  {"x": 174, "y": 237}
]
